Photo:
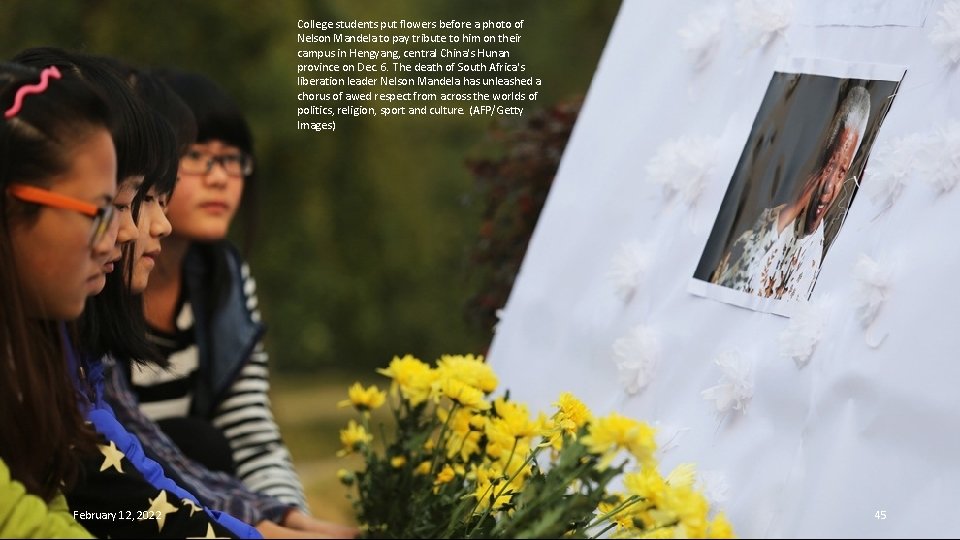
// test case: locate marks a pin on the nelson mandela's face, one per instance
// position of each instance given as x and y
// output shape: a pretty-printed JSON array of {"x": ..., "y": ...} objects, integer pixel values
[{"x": 830, "y": 181}]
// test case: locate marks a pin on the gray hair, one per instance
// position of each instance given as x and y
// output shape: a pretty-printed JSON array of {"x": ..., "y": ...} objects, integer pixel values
[{"x": 853, "y": 114}]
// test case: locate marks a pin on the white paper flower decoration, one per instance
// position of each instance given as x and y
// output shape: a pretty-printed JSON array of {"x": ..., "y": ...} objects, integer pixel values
[
  {"x": 636, "y": 355},
  {"x": 702, "y": 33},
  {"x": 872, "y": 290},
  {"x": 681, "y": 167},
  {"x": 766, "y": 19},
  {"x": 873, "y": 286},
  {"x": 799, "y": 339},
  {"x": 946, "y": 33},
  {"x": 893, "y": 165},
  {"x": 942, "y": 151},
  {"x": 735, "y": 388},
  {"x": 629, "y": 268}
]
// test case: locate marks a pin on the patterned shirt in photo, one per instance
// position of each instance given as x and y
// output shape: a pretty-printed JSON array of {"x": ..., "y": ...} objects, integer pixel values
[{"x": 766, "y": 262}]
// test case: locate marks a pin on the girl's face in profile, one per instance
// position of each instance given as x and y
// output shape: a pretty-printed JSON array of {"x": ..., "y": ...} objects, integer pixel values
[
  {"x": 57, "y": 263},
  {"x": 153, "y": 226},
  {"x": 127, "y": 228},
  {"x": 208, "y": 191}
]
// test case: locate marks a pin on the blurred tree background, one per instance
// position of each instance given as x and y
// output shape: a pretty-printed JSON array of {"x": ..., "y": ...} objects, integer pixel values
[{"x": 364, "y": 245}]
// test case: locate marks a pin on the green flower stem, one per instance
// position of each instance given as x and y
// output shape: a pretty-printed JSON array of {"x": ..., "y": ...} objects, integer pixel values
[
  {"x": 439, "y": 448},
  {"x": 666, "y": 526},
  {"x": 506, "y": 484},
  {"x": 605, "y": 529},
  {"x": 629, "y": 501},
  {"x": 477, "y": 504},
  {"x": 463, "y": 443},
  {"x": 367, "y": 450},
  {"x": 536, "y": 503},
  {"x": 530, "y": 459},
  {"x": 533, "y": 456}
]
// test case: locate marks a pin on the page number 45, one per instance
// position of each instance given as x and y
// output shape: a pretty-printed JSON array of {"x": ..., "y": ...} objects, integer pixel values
[{"x": 881, "y": 514}]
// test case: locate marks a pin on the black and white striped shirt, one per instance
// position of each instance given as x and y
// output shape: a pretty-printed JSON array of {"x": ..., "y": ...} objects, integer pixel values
[{"x": 244, "y": 416}]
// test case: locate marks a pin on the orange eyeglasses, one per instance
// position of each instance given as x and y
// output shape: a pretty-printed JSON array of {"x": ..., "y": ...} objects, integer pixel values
[{"x": 102, "y": 216}]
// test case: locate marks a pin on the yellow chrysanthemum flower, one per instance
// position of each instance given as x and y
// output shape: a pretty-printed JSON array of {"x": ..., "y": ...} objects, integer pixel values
[
  {"x": 694, "y": 513},
  {"x": 572, "y": 414},
  {"x": 614, "y": 432},
  {"x": 623, "y": 519},
  {"x": 682, "y": 475},
  {"x": 364, "y": 399},
  {"x": 688, "y": 507},
  {"x": 505, "y": 451},
  {"x": 353, "y": 438},
  {"x": 398, "y": 461},
  {"x": 491, "y": 488},
  {"x": 472, "y": 370},
  {"x": 423, "y": 468},
  {"x": 500, "y": 442},
  {"x": 551, "y": 432},
  {"x": 445, "y": 475},
  {"x": 506, "y": 457},
  {"x": 516, "y": 468},
  {"x": 412, "y": 377},
  {"x": 513, "y": 418},
  {"x": 478, "y": 422},
  {"x": 646, "y": 483},
  {"x": 461, "y": 421},
  {"x": 720, "y": 527},
  {"x": 462, "y": 440},
  {"x": 462, "y": 393}
]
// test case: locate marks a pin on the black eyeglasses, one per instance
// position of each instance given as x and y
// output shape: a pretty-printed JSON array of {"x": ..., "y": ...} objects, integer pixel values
[
  {"x": 196, "y": 162},
  {"x": 103, "y": 216}
]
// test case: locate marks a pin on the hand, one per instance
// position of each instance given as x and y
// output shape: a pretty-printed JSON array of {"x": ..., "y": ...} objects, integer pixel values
[{"x": 299, "y": 521}]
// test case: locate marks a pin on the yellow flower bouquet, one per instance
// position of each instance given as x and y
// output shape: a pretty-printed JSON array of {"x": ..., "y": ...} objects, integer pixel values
[{"x": 459, "y": 463}]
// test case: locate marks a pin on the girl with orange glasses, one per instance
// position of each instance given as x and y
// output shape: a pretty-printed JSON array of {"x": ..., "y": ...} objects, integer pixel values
[{"x": 57, "y": 183}]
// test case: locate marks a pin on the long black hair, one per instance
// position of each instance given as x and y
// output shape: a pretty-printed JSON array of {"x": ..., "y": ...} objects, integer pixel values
[
  {"x": 44, "y": 432},
  {"x": 172, "y": 130}
]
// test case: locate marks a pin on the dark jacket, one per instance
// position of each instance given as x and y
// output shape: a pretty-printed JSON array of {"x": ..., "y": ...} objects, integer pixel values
[{"x": 226, "y": 332}]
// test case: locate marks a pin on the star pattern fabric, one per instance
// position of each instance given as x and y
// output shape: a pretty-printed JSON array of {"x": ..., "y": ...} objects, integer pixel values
[
  {"x": 111, "y": 502},
  {"x": 112, "y": 457},
  {"x": 126, "y": 505},
  {"x": 160, "y": 509},
  {"x": 215, "y": 489},
  {"x": 210, "y": 534},
  {"x": 187, "y": 503}
]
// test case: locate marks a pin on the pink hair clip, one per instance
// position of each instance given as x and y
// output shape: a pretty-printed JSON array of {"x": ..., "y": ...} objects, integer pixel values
[{"x": 28, "y": 89}]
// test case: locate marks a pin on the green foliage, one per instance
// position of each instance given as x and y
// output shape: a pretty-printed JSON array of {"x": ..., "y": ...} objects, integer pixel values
[
  {"x": 548, "y": 508},
  {"x": 363, "y": 232}
]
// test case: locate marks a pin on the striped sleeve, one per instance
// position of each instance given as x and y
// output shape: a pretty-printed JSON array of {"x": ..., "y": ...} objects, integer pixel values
[{"x": 246, "y": 419}]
